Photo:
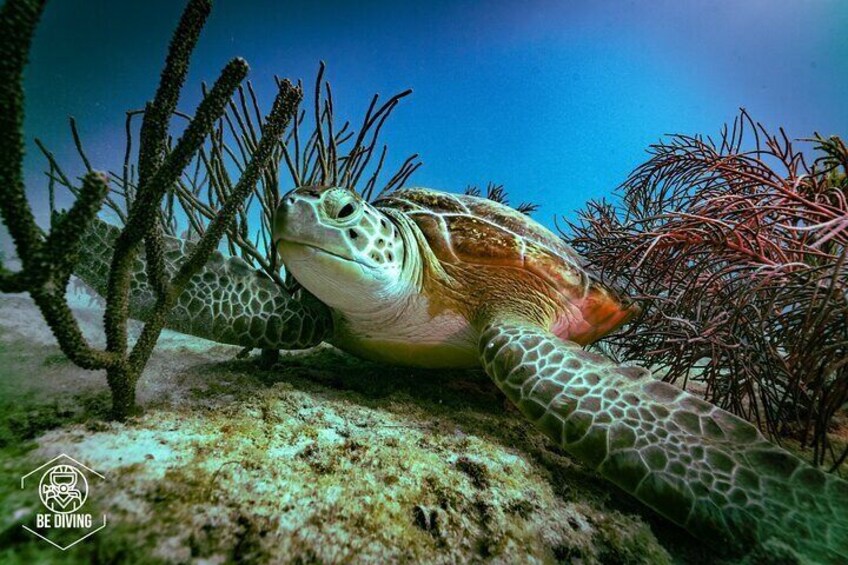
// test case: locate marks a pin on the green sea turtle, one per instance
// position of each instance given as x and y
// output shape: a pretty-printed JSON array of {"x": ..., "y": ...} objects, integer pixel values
[{"x": 432, "y": 279}]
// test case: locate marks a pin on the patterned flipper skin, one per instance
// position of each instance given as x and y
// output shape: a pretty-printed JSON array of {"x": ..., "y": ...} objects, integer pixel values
[
  {"x": 701, "y": 467},
  {"x": 226, "y": 301}
]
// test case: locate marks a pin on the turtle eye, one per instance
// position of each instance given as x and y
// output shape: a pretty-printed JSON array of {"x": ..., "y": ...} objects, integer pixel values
[
  {"x": 346, "y": 211},
  {"x": 339, "y": 206}
]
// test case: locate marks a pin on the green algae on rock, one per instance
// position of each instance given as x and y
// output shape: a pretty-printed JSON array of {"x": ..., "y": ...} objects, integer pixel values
[{"x": 325, "y": 458}]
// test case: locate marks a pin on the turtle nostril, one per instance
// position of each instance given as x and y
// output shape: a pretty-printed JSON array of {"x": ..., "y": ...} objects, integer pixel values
[{"x": 346, "y": 210}]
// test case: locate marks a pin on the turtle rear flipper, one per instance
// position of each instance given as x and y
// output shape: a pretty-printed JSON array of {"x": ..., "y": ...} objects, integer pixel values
[
  {"x": 702, "y": 467},
  {"x": 226, "y": 301}
]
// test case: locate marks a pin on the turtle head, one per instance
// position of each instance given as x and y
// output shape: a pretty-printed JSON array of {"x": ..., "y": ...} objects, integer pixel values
[{"x": 343, "y": 250}]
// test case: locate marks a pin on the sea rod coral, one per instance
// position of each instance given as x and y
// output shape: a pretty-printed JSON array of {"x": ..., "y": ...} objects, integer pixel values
[{"x": 49, "y": 259}]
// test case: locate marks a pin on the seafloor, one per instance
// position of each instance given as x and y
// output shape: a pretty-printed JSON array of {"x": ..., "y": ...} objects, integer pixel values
[{"x": 322, "y": 458}]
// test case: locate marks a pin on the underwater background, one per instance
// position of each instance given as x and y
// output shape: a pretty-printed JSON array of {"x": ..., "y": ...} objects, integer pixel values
[
  {"x": 221, "y": 453},
  {"x": 557, "y": 101}
]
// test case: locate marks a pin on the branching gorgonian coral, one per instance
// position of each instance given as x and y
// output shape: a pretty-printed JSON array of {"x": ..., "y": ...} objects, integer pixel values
[
  {"x": 49, "y": 258},
  {"x": 737, "y": 249}
]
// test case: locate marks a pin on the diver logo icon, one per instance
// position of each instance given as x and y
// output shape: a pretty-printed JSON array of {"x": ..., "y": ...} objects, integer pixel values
[{"x": 63, "y": 489}]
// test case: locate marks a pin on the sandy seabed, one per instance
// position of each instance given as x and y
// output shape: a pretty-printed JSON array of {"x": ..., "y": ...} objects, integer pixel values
[{"x": 322, "y": 458}]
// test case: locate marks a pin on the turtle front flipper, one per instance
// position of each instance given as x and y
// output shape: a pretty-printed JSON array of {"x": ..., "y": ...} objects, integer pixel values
[
  {"x": 226, "y": 301},
  {"x": 702, "y": 467}
]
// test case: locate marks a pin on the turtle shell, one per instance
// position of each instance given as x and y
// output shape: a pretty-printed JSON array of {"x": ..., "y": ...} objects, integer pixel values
[
  {"x": 474, "y": 230},
  {"x": 469, "y": 230}
]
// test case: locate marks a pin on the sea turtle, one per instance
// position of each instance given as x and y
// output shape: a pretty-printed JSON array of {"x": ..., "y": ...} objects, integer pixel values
[{"x": 433, "y": 279}]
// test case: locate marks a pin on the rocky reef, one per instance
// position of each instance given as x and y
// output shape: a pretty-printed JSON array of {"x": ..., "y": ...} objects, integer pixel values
[{"x": 321, "y": 458}]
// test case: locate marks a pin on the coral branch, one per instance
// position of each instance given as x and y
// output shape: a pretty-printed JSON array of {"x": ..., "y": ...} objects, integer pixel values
[
  {"x": 66, "y": 234},
  {"x": 49, "y": 259},
  {"x": 140, "y": 220},
  {"x": 154, "y": 128},
  {"x": 285, "y": 106},
  {"x": 18, "y": 19},
  {"x": 738, "y": 257},
  {"x": 283, "y": 109}
]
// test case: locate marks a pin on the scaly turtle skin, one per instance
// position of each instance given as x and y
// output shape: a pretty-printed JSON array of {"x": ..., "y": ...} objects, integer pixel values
[{"x": 437, "y": 280}]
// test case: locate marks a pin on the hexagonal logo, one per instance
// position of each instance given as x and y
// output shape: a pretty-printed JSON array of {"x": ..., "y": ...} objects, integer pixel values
[{"x": 63, "y": 520}]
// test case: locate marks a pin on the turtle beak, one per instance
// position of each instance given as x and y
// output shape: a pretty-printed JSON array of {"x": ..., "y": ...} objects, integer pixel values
[
  {"x": 310, "y": 220},
  {"x": 296, "y": 219}
]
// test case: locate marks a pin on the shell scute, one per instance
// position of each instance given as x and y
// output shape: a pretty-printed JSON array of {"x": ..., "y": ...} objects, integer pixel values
[
  {"x": 432, "y": 201},
  {"x": 478, "y": 241},
  {"x": 517, "y": 222},
  {"x": 435, "y": 229}
]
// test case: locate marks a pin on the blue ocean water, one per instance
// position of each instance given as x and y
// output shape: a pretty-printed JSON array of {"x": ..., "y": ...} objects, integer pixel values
[{"x": 555, "y": 100}]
